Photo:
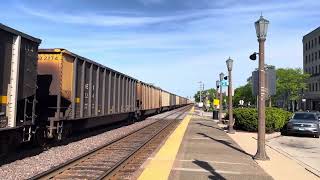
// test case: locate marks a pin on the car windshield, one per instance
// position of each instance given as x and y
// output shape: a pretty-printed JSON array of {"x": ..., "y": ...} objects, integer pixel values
[{"x": 304, "y": 116}]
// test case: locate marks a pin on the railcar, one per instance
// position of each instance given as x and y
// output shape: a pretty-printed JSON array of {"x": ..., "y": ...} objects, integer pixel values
[
  {"x": 83, "y": 94},
  {"x": 165, "y": 101},
  {"x": 148, "y": 99},
  {"x": 18, "y": 78}
]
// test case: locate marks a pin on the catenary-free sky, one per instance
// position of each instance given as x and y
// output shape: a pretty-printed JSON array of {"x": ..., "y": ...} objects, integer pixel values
[{"x": 173, "y": 44}]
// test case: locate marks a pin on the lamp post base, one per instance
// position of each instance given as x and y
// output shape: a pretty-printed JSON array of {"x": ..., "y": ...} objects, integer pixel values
[
  {"x": 231, "y": 131},
  {"x": 261, "y": 156}
]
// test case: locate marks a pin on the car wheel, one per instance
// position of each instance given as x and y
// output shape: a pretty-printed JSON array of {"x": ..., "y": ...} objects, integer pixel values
[
  {"x": 284, "y": 132},
  {"x": 316, "y": 136}
]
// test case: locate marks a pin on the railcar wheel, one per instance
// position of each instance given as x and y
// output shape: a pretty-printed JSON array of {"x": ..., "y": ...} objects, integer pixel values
[
  {"x": 4, "y": 148},
  {"x": 39, "y": 137},
  {"x": 66, "y": 132}
]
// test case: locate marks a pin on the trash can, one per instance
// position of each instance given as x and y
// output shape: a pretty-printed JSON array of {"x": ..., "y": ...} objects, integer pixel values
[{"x": 215, "y": 114}]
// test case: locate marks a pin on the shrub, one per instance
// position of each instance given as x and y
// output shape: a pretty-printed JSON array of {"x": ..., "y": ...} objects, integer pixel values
[{"x": 247, "y": 119}]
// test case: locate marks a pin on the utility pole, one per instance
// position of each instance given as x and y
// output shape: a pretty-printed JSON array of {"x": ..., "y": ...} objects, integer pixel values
[
  {"x": 200, "y": 82},
  {"x": 229, "y": 63},
  {"x": 221, "y": 75}
]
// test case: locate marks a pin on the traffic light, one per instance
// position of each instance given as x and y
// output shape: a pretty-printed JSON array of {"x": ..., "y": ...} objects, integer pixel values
[
  {"x": 253, "y": 56},
  {"x": 225, "y": 78}
]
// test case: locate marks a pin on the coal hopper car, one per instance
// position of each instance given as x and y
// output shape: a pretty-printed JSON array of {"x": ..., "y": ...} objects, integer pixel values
[
  {"x": 18, "y": 86},
  {"x": 83, "y": 93}
]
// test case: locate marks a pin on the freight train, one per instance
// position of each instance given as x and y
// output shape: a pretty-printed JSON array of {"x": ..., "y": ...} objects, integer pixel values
[{"x": 49, "y": 93}]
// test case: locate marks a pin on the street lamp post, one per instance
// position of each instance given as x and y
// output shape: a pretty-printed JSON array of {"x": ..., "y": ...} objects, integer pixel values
[
  {"x": 220, "y": 98},
  {"x": 261, "y": 27},
  {"x": 229, "y": 63},
  {"x": 217, "y": 88},
  {"x": 200, "y": 82}
]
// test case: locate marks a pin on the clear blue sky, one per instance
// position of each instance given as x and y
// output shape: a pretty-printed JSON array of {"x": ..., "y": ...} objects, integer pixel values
[{"x": 171, "y": 43}]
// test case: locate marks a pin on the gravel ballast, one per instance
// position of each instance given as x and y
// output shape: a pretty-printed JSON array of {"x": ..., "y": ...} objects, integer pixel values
[{"x": 31, "y": 166}]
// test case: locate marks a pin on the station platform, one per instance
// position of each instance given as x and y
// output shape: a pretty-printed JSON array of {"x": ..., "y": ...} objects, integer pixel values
[{"x": 198, "y": 149}]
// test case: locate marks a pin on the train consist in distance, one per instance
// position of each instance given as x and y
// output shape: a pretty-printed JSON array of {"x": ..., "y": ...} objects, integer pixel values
[{"x": 48, "y": 93}]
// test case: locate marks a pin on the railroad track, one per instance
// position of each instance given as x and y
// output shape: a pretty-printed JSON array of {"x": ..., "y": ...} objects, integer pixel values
[{"x": 120, "y": 158}]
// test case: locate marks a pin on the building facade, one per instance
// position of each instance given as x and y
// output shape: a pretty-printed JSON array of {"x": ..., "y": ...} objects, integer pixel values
[{"x": 311, "y": 65}]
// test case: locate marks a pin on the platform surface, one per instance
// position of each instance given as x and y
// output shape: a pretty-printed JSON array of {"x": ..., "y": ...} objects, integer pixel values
[{"x": 204, "y": 151}]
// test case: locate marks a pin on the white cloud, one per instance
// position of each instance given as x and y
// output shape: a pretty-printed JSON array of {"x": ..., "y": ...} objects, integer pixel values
[
  {"x": 148, "y": 2},
  {"x": 107, "y": 20},
  {"x": 277, "y": 9},
  {"x": 197, "y": 49}
]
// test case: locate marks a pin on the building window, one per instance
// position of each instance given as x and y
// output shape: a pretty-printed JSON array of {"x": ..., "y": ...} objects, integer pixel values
[
  {"x": 312, "y": 43},
  {"x": 306, "y": 46},
  {"x": 316, "y": 71},
  {"x": 309, "y": 87},
  {"x": 312, "y": 71},
  {"x": 306, "y": 60},
  {"x": 309, "y": 57},
  {"x": 312, "y": 57},
  {"x": 316, "y": 85},
  {"x": 312, "y": 87},
  {"x": 309, "y": 45},
  {"x": 315, "y": 56}
]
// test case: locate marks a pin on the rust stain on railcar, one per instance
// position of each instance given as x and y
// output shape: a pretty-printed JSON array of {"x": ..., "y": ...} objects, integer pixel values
[
  {"x": 60, "y": 66},
  {"x": 50, "y": 64}
]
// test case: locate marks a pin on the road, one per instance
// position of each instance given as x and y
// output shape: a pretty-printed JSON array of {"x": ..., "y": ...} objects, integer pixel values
[{"x": 305, "y": 150}]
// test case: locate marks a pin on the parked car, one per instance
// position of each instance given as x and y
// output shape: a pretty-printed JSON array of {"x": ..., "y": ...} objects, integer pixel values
[{"x": 303, "y": 123}]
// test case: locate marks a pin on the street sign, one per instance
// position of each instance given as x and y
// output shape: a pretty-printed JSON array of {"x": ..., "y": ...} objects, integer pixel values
[
  {"x": 270, "y": 85},
  {"x": 224, "y": 83},
  {"x": 241, "y": 102},
  {"x": 216, "y": 102}
]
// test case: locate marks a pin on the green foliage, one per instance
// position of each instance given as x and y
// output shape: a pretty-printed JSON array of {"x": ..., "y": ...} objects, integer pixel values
[
  {"x": 244, "y": 93},
  {"x": 247, "y": 119},
  {"x": 290, "y": 82},
  {"x": 211, "y": 93}
]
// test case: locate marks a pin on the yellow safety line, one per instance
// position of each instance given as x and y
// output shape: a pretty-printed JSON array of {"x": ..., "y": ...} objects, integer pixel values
[{"x": 160, "y": 166}]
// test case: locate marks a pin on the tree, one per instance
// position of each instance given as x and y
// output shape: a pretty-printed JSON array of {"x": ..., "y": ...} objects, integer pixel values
[
  {"x": 211, "y": 95},
  {"x": 244, "y": 93},
  {"x": 290, "y": 82}
]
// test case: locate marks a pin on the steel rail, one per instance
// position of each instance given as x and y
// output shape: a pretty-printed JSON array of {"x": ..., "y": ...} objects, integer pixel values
[{"x": 64, "y": 166}]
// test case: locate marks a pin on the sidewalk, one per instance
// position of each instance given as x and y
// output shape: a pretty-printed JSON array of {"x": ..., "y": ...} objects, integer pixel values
[
  {"x": 279, "y": 166},
  {"x": 206, "y": 152},
  {"x": 199, "y": 150}
]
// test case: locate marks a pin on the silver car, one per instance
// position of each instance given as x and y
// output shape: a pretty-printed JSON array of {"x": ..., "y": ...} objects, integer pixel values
[{"x": 303, "y": 123}]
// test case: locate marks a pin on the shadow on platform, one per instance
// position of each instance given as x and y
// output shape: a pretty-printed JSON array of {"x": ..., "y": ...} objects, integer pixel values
[
  {"x": 226, "y": 143},
  {"x": 210, "y": 126},
  {"x": 205, "y": 165}
]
